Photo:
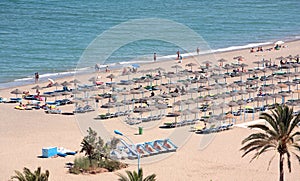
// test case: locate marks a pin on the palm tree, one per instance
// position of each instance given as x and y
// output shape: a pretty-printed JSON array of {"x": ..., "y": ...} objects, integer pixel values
[
  {"x": 89, "y": 150},
  {"x": 133, "y": 176},
  {"x": 279, "y": 136},
  {"x": 27, "y": 175}
]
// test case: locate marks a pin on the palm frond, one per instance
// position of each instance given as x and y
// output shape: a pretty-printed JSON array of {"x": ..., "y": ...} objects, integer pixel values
[
  {"x": 150, "y": 178},
  {"x": 255, "y": 136},
  {"x": 122, "y": 177},
  {"x": 259, "y": 126},
  {"x": 255, "y": 143},
  {"x": 250, "y": 150},
  {"x": 19, "y": 176},
  {"x": 289, "y": 161},
  {"x": 295, "y": 122},
  {"x": 270, "y": 119}
]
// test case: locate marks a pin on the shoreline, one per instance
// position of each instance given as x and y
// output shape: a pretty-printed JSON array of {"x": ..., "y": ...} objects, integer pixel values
[{"x": 119, "y": 65}]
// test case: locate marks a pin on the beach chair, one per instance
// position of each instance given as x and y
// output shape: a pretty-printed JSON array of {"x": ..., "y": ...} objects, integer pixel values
[
  {"x": 79, "y": 110},
  {"x": 158, "y": 147},
  {"x": 142, "y": 150},
  {"x": 149, "y": 147},
  {"x": 167, "y": 144},
  {"x": 88, "y": 108},
  {"x": 20, "y": 107},
  {"x": 206, "y": 130},
  {"x": 14, "y": 100},
  {"x": 53, "y": 111}
]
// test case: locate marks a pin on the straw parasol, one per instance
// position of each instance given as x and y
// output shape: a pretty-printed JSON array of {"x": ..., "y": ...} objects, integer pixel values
[
  {"x": 191, "y": 65},
  {"x": 232, "y": 104},
  {"x": 111, "y": 77},
  {"x": 221, "y": 61},
  {"x": 176, "y": 67},
  {"x": 56, "y": 84},
  {"x": 16, "y": 91},
  {"x": 65, "y": 83}
]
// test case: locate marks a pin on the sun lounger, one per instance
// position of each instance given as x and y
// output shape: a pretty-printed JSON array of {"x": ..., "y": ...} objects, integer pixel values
[
  {"x": 88, "y": 108},
  {"x": 78, "y": 110},
  {"x": 142, "y": 150},
  {"x": 13, "y": 100},
  {"x": 167, "y": 144},
  {"x": 206, "y": 130},
  {"x": 53, "y": 111},
  {"x": 149, "y": 147},
  {"x": 158, "y": 147},
  {"x": 20, "y": 107}
]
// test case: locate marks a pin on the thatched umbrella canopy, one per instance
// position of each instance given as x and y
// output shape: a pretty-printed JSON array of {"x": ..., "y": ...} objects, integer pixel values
[
  {"x": 227, "y": 67},
  {"x": 56, "y": 84},
  {"x": 222, "y": 105},
  {"x": 221, "y": 61},
  {"x": 111, "y": 77},
  {"x": 37, "y": 87},
  {"x": 170, "y": 76},
  {"x": 75, "y": 81},
  {"x": 16, "y": 91},
  {"x": 189, "y": 102},
  {"x": 157, "y": 98},
  {"x": 176, "y": 67},
  {"x": 232, "y": 104},
  {"x": 280, "y": 58},
  {"x": 191, "y": 65},
  {"x": 275, "y": 96},
  {"x": 259, "y": 99},
  {"x": 108, "y": 106},
  {"x": 66, "y": 83},
  {"x": 93, "y": 79}
]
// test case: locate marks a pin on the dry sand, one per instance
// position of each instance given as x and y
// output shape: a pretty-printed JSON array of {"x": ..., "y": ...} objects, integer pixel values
[{"x": 23, "y": 134}]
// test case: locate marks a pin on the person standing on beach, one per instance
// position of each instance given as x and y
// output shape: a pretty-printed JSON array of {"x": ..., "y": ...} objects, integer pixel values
[
  {"x": 106, "y": 69},
  {"x": 178, "y": 54},
  {"x": 154, "y": 57},
  {"x": 198, "y": 50},
  {"x": 97, "y": 67},
  {"x": 37, "y": 76}
]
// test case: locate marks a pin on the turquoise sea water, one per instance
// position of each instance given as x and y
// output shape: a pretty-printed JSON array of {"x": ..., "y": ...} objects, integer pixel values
[{"x": 49, "y": 36}]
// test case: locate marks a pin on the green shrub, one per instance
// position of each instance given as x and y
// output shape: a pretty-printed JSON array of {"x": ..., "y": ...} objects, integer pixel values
[
  {"x": 111, "y": 165},
  {"x": 82, "y": 164}
]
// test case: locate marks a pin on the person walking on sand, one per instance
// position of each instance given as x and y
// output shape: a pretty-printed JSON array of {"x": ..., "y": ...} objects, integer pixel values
[
  {"x": 178, "y": 54},
  {"x": 36, "y": 76},
  {"x": 198, "y": 50},
  {"x": 154, "y": 57}
]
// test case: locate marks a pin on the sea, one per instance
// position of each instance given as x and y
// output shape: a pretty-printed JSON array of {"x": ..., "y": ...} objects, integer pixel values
[{"x": 51, "y": 36}]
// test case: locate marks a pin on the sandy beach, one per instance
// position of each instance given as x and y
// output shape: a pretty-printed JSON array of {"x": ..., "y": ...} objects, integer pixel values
[{"x": 24, "y": 133}]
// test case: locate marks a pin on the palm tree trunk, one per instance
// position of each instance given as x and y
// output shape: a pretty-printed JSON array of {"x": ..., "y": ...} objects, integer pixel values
[{"x": 281, "y": 178}]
